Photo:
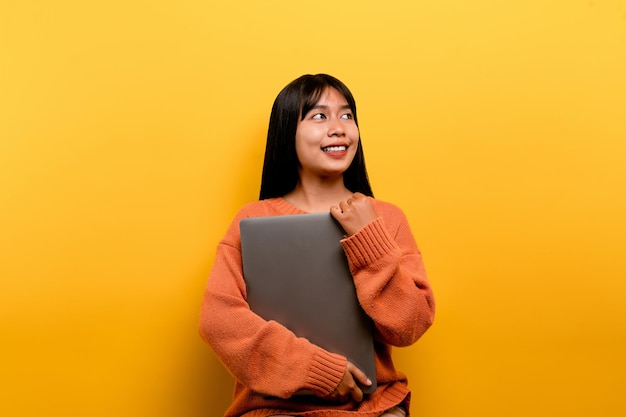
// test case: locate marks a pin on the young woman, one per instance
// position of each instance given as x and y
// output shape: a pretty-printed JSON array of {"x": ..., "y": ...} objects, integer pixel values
[{"x": 314, "y": 163}]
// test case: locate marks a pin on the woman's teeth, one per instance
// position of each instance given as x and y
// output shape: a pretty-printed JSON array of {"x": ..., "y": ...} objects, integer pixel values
[{"x": 334, "y": 148}]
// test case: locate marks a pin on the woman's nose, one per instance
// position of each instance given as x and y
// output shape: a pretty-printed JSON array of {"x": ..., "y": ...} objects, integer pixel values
[{"x": 335, "y": 128}]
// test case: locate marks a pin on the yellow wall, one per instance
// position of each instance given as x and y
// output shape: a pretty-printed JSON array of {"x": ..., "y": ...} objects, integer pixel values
[{"x": 131, "y": 131}]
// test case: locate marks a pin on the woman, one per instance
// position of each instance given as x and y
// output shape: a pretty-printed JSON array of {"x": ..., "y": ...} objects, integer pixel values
[{"x": 314, "y": 163}]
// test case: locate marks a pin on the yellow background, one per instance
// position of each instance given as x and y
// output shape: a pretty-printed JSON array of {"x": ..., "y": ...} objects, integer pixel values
[{"x": 132, "y": 131}]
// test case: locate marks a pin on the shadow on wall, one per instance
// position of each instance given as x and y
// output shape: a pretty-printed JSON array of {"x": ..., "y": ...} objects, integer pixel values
[
  {"x": 207, "y": 386},
  {"x": 213, "y": 384}
]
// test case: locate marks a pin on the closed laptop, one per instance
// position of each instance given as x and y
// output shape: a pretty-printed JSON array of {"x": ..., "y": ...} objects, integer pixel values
[{"x": 297, "y": 274}]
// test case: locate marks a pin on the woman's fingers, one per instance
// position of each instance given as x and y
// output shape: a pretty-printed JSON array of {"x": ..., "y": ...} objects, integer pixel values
[
  {"x": 358, "y": 375},
  {"x": 354, "y": 213},
  {"x": 348, "y": 389}
]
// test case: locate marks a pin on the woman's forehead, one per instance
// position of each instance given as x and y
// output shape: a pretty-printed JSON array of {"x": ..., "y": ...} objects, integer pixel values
[{"x": 321, "y": 96}]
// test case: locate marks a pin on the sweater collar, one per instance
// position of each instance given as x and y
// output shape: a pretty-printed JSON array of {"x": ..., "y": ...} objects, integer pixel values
[{"x": 283, "y": 206}]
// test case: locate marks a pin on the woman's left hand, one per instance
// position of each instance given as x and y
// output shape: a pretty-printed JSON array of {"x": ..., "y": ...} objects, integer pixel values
[{"x": 354, "y": 213}]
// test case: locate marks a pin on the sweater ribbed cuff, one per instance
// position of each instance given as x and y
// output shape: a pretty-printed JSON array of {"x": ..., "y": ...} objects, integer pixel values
[
  {"x": 368, "y": 245},
  {"x": 326, "y": 372}
]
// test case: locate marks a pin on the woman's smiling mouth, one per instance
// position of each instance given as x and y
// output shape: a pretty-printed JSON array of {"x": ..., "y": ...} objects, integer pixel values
[{"x": 332, "y": 149}]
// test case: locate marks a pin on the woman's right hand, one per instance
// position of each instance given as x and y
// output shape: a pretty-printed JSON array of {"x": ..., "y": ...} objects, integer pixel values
[
  {"x": 354, "y": 213},
  {"x": 348, "y": 389}
]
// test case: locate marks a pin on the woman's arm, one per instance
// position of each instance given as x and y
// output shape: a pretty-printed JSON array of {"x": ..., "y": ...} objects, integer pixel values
[{"x": 389, "y": 276}]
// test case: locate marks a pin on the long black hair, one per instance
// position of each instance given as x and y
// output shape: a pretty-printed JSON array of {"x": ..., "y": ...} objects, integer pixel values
[{"x": 280, "y": 167}]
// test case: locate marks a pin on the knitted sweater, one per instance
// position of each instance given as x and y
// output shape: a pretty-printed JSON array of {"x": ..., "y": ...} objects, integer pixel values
[{"x": 270, "y": 363}]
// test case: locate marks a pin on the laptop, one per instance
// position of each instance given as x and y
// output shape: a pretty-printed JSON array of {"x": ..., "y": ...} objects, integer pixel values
[{"x": 297, "y": 274}]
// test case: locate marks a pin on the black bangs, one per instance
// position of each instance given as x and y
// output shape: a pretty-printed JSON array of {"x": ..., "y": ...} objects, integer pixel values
[
  {"x": 313, "y": 87},
  {"x": 310, "y": 100}
]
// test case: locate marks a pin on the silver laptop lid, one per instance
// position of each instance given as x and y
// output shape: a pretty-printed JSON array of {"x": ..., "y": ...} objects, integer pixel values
[{"x": 297, "y": 274}]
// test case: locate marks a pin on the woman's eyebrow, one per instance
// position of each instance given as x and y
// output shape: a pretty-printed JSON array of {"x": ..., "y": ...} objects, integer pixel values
[{"x": 324, "y": 106}]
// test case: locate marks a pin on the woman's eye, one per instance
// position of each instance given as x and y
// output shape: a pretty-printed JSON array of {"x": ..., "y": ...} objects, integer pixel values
[
  {"x": 319, "y": 116},
  {"x": 346, "y": 116}
]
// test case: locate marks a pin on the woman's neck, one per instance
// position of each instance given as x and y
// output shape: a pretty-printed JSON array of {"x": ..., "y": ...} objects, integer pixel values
[{"x": 317, "y": 197}]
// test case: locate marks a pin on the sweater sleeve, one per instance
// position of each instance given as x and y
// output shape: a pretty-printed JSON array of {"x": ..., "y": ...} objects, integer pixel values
[
  {"x": 263, "y": 355},
  {"x": 390, "y": 278}
]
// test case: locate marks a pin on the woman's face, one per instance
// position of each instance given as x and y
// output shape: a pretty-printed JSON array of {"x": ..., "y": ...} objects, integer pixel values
[{"x": 327, "y": 137}]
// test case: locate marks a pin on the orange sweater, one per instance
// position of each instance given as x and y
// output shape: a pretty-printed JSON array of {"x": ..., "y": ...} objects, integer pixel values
[{"x": 265, "y": 357}]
